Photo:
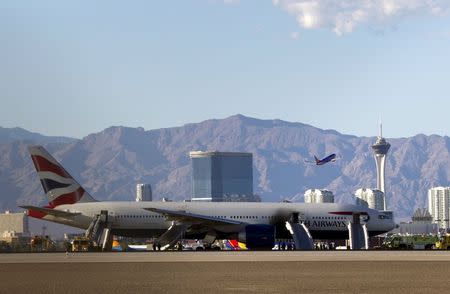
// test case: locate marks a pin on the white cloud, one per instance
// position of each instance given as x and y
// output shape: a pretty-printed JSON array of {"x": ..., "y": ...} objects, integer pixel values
[
  {"x": 231, "y": 1},
  {"x": 343, "y": 16}
]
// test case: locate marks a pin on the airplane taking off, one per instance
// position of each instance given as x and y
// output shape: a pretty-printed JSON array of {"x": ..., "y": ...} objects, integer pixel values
[
  {"x": 254, "y": 223},
  {"x": 330, "y": 158}
]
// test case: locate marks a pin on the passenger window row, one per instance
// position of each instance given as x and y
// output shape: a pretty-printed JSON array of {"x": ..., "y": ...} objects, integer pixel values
[
  {"x": 161, "y": 216},
  {"x": 139, "y": 216},
  {"x": 251, "y": 217},
  {"x": 233, "y": 217},
  {"x": 328, "y": 217}
]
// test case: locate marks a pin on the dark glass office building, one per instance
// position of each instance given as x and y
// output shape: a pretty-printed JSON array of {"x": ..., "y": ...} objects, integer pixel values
[{"x": 222, "y": 176}]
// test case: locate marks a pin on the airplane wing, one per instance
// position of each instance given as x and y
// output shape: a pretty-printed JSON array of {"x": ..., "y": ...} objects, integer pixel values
[
  {"x": 183, "y": 216},
  {"x": 54, "y": 212}
]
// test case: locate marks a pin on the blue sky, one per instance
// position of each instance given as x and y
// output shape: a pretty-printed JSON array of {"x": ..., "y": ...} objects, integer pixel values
[{"x": 76, "y": 67}]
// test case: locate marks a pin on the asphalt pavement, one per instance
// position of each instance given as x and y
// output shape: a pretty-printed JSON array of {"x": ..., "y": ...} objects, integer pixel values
[{"x": 227, "y": 272}]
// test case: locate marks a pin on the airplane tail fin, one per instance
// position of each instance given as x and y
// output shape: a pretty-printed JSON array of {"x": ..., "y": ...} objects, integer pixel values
[
  {"x": 316, "y": 159},
  {"x": 59, "y": 186}
]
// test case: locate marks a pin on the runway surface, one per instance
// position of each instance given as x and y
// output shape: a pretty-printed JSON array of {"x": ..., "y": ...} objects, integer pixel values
[
  {"x": 227, "y": 272},
  {"x": 229, "y": 256}
]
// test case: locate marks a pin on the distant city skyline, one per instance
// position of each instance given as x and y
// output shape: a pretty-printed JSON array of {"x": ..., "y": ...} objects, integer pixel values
[{"x": 75, "y": 68}]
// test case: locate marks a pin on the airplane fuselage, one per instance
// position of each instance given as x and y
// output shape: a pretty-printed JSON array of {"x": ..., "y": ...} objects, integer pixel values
[
  {"x": 329, "y": 158},
  {"x": 325, "y": 221}
]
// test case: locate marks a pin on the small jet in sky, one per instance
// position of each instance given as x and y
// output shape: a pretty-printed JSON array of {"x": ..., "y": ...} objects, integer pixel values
[{"x": 330, "y": 158}]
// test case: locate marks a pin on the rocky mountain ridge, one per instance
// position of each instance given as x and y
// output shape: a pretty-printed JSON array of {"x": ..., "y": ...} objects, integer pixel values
[
  {"x": 110, "y": 163},
  {"x": 9, "y": 135}
]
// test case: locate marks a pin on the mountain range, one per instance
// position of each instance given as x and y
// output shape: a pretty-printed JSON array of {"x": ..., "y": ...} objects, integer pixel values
[
  {"x": 9, "y": 135},
  {"x": 110, "y": 163}
]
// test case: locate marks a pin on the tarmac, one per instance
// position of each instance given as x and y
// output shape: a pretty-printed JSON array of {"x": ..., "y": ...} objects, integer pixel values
[{"x": 227, "y": 272}]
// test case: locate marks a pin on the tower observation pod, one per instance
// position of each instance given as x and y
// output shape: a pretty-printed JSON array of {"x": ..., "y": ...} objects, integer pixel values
[{"x": 380, "y": 149}]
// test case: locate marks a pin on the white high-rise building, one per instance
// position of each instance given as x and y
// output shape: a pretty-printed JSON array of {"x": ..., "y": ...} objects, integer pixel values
[
  {"x": 438, "y": 205},
  {"x": 319, "y": 196},
  {"x": 371, "y": 198},
  {"x": 143, "y": 192}
]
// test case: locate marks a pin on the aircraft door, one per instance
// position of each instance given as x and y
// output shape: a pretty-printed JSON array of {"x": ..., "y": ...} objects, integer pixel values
[{"x": 104, "y": 216}]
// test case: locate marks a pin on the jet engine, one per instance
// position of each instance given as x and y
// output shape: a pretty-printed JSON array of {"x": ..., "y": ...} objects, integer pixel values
[{"x": 258, "y": 237}]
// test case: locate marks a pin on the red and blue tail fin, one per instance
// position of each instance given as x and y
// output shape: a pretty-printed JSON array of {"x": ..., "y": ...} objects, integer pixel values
[
  {"x": 59, "y": 186},
  {"x": 316, "y": 159}
]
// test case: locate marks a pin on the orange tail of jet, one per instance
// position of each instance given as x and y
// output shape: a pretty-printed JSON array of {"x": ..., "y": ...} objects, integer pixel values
[{"x": 316, "y": 159}]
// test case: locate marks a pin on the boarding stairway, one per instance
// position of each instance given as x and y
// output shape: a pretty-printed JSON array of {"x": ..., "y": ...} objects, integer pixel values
[
  {"x": 300, "y": 233},
  {"x": 357, "y": 234},
  {"x": 99, "y": 231},
  {"x": 171, "y": 237}
]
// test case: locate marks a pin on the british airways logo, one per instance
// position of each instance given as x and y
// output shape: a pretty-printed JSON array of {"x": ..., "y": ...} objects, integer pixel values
[{"x": 325, "y": 224}]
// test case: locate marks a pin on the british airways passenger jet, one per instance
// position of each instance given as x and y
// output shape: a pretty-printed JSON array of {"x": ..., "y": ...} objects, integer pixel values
[{"x": 255, "y": 223}]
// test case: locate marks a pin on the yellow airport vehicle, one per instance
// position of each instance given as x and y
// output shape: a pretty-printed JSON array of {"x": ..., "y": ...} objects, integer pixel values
[
  {"x": 82, "y": 244},
  {"x": 443, "y": 243}
]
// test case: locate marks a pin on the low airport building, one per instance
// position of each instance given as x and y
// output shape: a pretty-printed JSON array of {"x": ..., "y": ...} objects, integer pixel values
[
  {"x": 421, "y": 224},
  {"x": 14, "y": 222},
  {"x": 14, "y": 230}
]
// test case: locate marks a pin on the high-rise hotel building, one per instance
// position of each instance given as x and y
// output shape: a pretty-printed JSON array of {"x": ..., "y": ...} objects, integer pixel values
[
  {"x": 319, "y": 196},
  {"x": 439, "y": 205},
  {"x": 371, "y": 198},
  {"x": 143, "y": 192},
  {"x": 222, "y": 176}
]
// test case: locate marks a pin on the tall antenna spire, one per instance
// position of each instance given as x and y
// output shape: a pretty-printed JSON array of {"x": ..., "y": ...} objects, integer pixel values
[{"x": 381, "y": 127}]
